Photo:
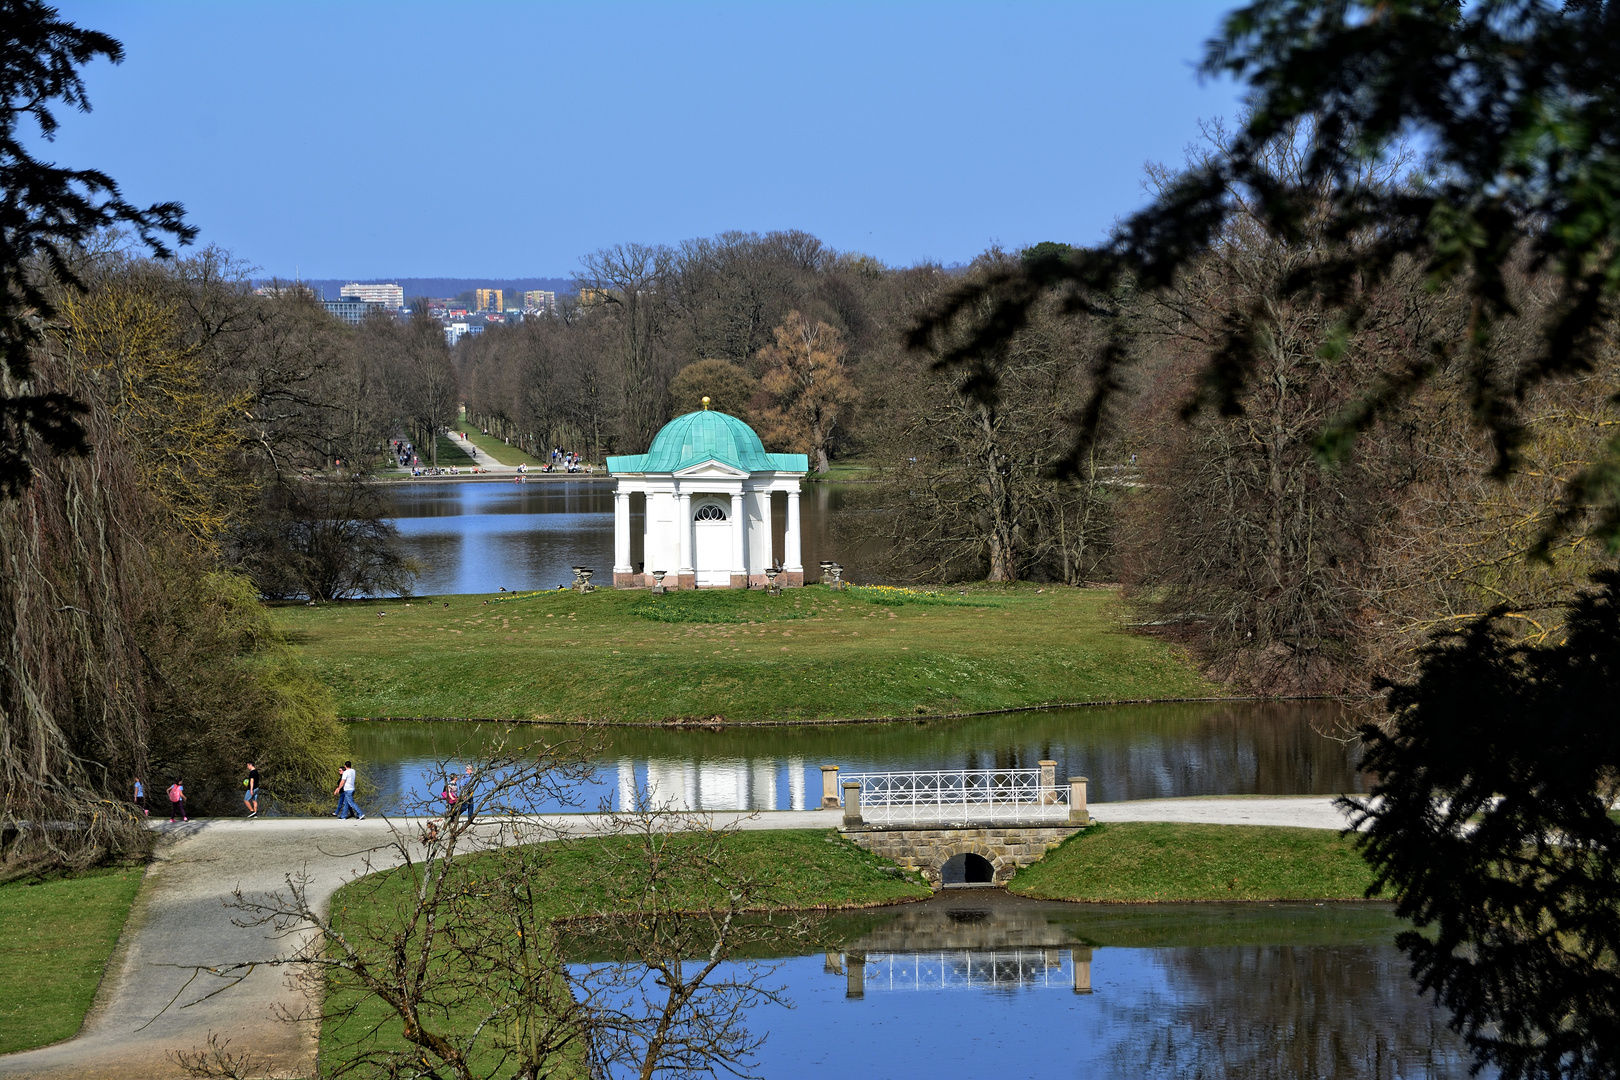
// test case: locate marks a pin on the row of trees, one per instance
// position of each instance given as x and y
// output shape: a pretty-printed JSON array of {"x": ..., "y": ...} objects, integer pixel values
[
  {"x": 772, "y": 327},
  {"x": 228, "y": 436}
]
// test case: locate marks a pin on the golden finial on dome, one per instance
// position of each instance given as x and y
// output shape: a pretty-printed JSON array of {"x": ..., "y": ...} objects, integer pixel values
[{"x": 705, "y": 403}]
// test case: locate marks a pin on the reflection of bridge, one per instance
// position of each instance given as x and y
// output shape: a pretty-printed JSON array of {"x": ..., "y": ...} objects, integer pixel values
[
  {"x": 963, "y": 969},
  {"x": 972, "y": 941}
]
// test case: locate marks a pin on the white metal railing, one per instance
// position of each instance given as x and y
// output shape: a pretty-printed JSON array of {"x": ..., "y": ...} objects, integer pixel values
[
  {"x": 962, "y": 795},
  {"x": 964, "y": 969}
]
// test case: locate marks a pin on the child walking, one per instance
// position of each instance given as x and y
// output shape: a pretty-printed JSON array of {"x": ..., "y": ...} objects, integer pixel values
[
  {"x": 177, "y": 800},
  {"x": 250, "y": 797}
]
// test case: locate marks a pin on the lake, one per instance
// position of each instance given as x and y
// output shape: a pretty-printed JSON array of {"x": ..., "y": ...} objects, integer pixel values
[
  {"x": 479, "y": 536},
  {"x": 984, "y": 982},
  {"x": 1128, "y": 752}
]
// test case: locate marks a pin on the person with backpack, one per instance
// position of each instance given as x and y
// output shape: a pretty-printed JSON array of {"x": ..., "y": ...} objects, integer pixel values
[
  {"x": 345, "y": 795},
  {"x": 250, "y": 797},
  {"x": 177, "y": 801}
]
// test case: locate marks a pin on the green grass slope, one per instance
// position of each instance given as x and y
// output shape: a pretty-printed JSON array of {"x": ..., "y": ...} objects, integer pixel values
[
  {"x": 810, "y": 654},
  {"x": 1164, "y": 862}
]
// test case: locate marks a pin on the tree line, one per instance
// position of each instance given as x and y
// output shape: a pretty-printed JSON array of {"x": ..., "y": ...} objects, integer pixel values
[
  {"x": 229, "y": 441},
  {"x": 1282, "y": 569}
]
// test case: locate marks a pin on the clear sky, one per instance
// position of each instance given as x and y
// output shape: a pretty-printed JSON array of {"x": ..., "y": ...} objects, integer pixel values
[{"x": 493, "y": 139}]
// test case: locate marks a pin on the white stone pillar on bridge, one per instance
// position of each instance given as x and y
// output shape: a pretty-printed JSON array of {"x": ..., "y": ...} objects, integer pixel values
[{"x": 1078, "y": 814}]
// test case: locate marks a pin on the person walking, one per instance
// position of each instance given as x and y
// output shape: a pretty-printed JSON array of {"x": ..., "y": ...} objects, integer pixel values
[
  {"x": 140, "y": 797},
  {"x": 345, "y": 795},
  {"x": 250, "y": 797},
  {"x": 466, "y": 802},
  {"x": 177, "y": 801}
]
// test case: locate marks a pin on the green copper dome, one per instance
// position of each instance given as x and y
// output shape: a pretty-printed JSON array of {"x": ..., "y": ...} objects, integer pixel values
[{"x": 707, "y": 436}]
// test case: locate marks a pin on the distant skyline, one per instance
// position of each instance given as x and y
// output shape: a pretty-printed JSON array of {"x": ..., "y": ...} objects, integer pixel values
[{"x": 506, "y": 140}]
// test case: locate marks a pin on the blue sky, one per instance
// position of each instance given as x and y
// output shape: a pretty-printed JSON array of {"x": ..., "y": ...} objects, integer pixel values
[{"x": 507, "y": 139}]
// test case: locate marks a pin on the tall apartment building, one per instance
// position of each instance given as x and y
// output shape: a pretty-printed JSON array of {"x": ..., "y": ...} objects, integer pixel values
[
  {"x": 540, "y": 300},
  {"x": 390, "y": 296},
  {"x": 352, "y": 311},
  {"x": 489, "y": 300}
]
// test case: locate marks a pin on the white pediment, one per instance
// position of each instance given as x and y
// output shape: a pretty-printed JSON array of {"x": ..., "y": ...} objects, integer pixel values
[{"x": 711, "y": 469}]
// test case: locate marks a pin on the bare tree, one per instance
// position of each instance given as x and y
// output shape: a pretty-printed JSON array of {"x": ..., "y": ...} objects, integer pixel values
[
  {"x": 629, "y": 286},
  {"x": 458, "y": 939},
  {"x": 428, "y": 392},
  {"x": 966, "y": 487}
]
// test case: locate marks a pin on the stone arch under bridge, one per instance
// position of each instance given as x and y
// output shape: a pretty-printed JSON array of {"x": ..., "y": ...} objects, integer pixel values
[{"x": 1007, "y": 848}]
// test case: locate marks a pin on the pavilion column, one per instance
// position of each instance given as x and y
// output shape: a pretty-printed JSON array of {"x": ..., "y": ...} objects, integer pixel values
[
  {"x": 687, "y": 576},
  {"x": 739, "y": 540},
  {"x": 623, "y": 573},
  {"x": 792, "y": 565}
]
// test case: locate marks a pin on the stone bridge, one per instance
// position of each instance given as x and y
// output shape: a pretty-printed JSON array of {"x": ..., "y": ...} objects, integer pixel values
[{"x": 985, "y": 844}]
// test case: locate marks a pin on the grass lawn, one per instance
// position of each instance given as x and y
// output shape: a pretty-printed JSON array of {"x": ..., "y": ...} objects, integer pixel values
[
  {"x": 500, "y": 451},
  {"x": 810, "y": 654},
  {"x": 449, "y": 454},
  {"x": 55, "y": 938},
  {"x": 797, "y": 868},
  {"x": 843, "y": 469},
  {"x": 1163, "y": 862}
]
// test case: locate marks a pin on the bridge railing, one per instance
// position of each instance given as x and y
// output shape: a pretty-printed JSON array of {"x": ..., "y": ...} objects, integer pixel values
[{"x": 960, "y": 795}]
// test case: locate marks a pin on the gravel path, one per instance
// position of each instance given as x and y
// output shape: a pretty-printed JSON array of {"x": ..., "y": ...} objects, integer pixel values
[{"x": 180, "y": 920}]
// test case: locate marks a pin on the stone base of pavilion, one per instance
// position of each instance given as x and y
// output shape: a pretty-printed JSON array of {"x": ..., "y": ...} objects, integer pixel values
[{"x": 785, "y": 578}]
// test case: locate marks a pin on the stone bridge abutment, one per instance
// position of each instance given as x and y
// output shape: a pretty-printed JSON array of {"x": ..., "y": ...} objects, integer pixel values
[{"x": 926, "y": 850}]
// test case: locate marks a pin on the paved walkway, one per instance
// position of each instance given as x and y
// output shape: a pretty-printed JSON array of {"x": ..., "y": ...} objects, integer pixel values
[
  {"x": 180, "y": 920},
  {"x": 483, "y": 457}
]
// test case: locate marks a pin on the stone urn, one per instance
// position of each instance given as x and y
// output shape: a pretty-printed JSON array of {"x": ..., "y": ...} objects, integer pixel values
[
  {"x": 658, "y": 582},
  {"x": 771, "y": 587}
]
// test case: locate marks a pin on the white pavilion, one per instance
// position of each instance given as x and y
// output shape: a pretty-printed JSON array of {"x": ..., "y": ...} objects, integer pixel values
[{"x": 707, "y": 483}]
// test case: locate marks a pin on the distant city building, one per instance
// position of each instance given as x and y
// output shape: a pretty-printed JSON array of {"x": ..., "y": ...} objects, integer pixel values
[
  {"x": 276, "y": 292},
  {"x": 589, "y": 297},
  {"x": 453, "y": 333},
  {"x": 489, "y": 300},
  {"x": 389, "y": 296},
  {"x": 540, "y": 300},
  {"x": 353, "y": 312}
]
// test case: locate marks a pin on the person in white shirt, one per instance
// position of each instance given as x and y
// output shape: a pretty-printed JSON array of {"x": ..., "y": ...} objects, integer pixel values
[{"x": 345, "y": 795}]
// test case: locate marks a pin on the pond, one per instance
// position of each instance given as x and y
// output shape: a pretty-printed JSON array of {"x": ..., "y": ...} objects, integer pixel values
[
  {"x": 477, "y": 536},
  {"x": 1128, "y": 752},
  {"x": 984, "y": 982}
]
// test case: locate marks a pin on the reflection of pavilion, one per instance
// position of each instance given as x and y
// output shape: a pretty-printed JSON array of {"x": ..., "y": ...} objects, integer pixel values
[{"x": 726, "y": 784}]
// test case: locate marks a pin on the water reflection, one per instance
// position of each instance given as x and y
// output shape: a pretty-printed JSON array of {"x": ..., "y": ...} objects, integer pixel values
[
  {"x": 478, "y": 536},
  {"x": 1023, "y": 988},
  {"x": 1128, "y": 751}
]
